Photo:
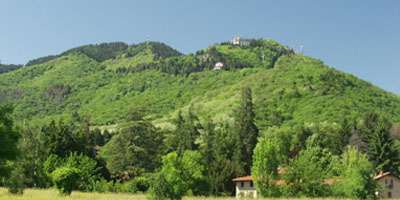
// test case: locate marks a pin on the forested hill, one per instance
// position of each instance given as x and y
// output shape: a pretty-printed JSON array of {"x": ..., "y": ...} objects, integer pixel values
[
  {"x": 106, "y": 51},
  {"x": 8, "y": 68},
  {"x": 102, "y": 81}
]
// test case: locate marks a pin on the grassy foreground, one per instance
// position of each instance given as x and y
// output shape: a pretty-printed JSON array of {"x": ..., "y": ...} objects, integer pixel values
[{"x": 52, "y": 194}]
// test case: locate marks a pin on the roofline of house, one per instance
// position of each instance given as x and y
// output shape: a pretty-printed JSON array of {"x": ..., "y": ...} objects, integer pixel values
[{"x": 381, "y": 175}]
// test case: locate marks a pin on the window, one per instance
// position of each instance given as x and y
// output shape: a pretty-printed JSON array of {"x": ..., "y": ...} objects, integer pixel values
[
  {"x": 251, "y": 183},
  {"x": 241, "y": 184},
  {"x": 389, "y": 183},
  {"x": 389, "y": 194}
]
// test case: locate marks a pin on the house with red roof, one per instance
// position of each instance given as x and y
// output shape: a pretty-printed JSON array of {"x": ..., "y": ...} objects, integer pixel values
[
  {"x": 391, "y": 185},
  {"x": 245, "y": 187}
]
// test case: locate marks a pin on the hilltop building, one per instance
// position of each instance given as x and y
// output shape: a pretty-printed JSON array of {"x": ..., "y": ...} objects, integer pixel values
[{"x": 240, "y": 41}]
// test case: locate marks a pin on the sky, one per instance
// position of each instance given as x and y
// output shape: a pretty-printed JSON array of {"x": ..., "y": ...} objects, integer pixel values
[{"x": 361, "y": 37}]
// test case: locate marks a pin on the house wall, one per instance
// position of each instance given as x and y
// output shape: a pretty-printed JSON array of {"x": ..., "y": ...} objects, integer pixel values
[
  {"x": 246, "y": 190},
  {"x": 395, "y": 190}
]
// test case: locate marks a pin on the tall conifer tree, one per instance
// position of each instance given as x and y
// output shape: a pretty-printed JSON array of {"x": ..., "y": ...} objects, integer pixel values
[
  {"x": 246, "y": 131},
  {"x": 382, "y": 150}
]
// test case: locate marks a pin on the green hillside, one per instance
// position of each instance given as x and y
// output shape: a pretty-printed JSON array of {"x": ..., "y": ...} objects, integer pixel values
[
  {"x": 8, "y": 68},
  {"x": 101, "y": 81}
]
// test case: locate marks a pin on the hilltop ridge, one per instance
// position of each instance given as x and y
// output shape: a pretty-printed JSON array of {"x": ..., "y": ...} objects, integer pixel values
[{"x": 101, "y": 81}]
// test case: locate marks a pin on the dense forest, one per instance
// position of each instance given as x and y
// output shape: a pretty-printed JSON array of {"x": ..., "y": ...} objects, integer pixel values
[
  {"x": 145, "y": 118},
  {"x": 8, "y": 68}
]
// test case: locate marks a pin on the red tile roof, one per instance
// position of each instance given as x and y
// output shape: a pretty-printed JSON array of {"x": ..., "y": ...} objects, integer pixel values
[
  {"x": 245, "y": 178},
  {"x": 381, "y": 175},
  {"x": 329, "y": 181}
]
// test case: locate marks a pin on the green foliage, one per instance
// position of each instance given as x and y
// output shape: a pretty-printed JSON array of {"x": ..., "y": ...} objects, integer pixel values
[
  {"x": 289, "y": 92},
  {"x": 292, "y": 98},
  {"x": 246, "y": 131},
  {"x": 136, "y": 185},
  {"x": 77, "y": 172},
  {"x": 216, "y": 144},
  {"x": 136, "y": 149},
  {"x": 382, "y": 149},
  {"x": 15, "y": 183},
  {"x": 89, "y": 173},
  {"x": 179, "y": 176},
  {"x": 356, "y": 179},
  {"x": 8, "y": 139},
  {"x": 31, "y": 161},
  {"x": 265, "y": 167},
  {"x": 99, "y": 52},
  {"x": 163, "y": 51},
  {"x": 306, "y": 173},
  {"x": 161, "y": 189},
  {"x": 8, "y": 68},
  {"x": 141, "y": 183},
  {"x": 186, "y": 133},
  {"x": 106, "y": 51},
  {"x": 65, "y": 179}
]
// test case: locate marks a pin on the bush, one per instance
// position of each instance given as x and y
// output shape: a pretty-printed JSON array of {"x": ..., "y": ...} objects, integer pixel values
[
  {"x": 127, "y": 187},
  {"x": 178, "y": 176},
  {"x": 100, "y": 186},
  {"x": 65, "y": 179},
  {"x": 88, "y": 172},
  {"x": 142, "y": 183},
  {"x": 15, "y": 183},
  {"x": 355, "y": 172},
  {"x": 160, "y": 189}
]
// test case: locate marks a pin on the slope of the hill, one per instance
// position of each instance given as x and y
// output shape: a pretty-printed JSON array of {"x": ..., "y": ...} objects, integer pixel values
[
  {"x": 287, "y": 87},
  {"x": 8, "y": 68},
  {"x": 105, "y": 51}
]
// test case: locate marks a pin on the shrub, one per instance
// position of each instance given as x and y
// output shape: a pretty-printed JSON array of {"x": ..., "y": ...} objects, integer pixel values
[
  {"x": 138, "y": 184},
  {"x": 128, "y": 187},
  {"x": 160, "y": 189},
  {"x": 15, "y": 183},
  {"x": 88, "y": 172},
  {"x": 178, "y": 176},
  {"x": 142, "y": 183},
  {"x": 102, "y": 186},
  {"x": 355, "y": 172},
  {"x": 65, "y": 179}
]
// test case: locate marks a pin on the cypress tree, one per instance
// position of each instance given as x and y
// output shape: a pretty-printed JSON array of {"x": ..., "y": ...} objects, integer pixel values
[{"x": 246, "y": 131}]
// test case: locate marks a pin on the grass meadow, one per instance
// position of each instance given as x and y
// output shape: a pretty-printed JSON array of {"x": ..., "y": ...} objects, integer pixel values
[{"x": 52, "y": 194}]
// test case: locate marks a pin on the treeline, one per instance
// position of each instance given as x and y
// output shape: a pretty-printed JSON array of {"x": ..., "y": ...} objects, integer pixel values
[
  {"x": 199, "y": 157},
  {"x": 105, "y": 51},
  {"x": 8, "y": 68},
  {"x": 263, "y": 54}
]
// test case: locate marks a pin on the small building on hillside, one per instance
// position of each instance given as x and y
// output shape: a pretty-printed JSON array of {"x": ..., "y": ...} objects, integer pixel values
[
  {"x": 240, "y": 41},
  {"x": 218, "y": 66},
  {"x": 391, "y": 185},
  {"x": 245, "y": 187}
]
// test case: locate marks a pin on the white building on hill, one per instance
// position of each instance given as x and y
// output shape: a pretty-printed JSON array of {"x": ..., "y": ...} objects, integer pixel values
[{"x": 240, "y": 41}]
